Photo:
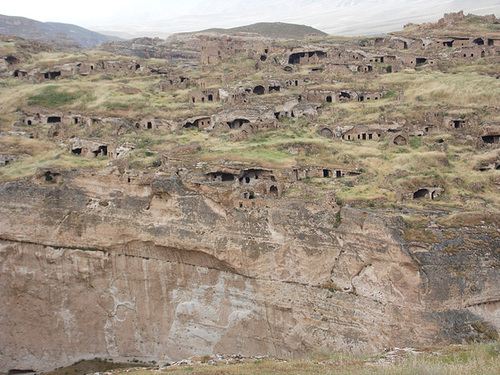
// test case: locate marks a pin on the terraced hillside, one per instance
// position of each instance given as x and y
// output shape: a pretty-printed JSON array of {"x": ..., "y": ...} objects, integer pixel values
[{"x": 245, "y": 195}]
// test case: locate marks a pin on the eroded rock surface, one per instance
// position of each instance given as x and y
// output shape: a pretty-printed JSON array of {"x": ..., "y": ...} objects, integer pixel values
[{"x": 153, "y": 269}]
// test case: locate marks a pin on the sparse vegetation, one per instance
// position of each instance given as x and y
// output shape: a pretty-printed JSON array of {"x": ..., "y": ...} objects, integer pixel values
[{"x": 459, "y": 359}]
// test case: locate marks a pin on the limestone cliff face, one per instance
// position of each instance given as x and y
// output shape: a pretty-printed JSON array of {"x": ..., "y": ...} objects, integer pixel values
[{"x": 105, "y": 266}]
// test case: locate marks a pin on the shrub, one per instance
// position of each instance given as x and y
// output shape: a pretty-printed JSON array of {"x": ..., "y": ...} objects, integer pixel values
[
  {"x": 338, "y": 220},
  {"x": 415, "y": 142}
]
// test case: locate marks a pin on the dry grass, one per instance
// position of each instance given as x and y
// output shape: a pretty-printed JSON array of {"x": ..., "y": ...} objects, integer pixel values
[
  {"x": 27, "y": 167},
  {"x": 37, "y": 153},
  {"x": 103, "y": 97},
  {"x": 469, "y": 359},
  {"x": 467, "y": 90},
  {"x": 420, "y": 235},
  {"x": 49, "y": 59},
  {"x": 471, "y": 219},
  {"x": 16, "y": 145},
  {"x": 365, "y": 193}
]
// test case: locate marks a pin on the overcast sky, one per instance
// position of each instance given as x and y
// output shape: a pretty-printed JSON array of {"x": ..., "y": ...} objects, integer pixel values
[{"x": 162, "y": 17}]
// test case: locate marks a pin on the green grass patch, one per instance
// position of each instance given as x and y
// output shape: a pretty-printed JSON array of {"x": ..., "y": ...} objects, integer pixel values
[
  {"x": 415, "y": 142},
  {"x": 53, "y": 97}
]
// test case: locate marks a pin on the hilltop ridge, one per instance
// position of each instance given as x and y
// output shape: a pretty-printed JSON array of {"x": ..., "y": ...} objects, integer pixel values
[
  {"x": 61, "y": 35},
  {"x": 273, "y": 30},
  {"x": 456, "y": 24}
]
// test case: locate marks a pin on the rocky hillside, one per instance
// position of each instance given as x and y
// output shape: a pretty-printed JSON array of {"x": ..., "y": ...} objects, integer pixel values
[
  {"x": 187, "y": 48},
  {"x": 188, "y": 45},
  {"x": 147, "y": 266},
  {"x": 239, "y": 195},
  {"x": 456, "y": 24},
  {"x": 59, "y": 34}
]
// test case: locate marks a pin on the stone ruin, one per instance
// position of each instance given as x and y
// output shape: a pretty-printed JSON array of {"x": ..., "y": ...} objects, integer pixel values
[
  {"x": 491, "y": 134},
  {"x": 200, "y": 122},
  {"x": 204, "y": 96},
  {"x": 173, "y": 83},
  {"x": 86, "y": 68},
  {"x": 91, "y": 149},
  {"x": 427, "y": 193}
]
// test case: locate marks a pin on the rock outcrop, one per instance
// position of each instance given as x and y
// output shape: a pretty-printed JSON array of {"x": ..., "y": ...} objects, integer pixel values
[{"x": 148, "y": 267}]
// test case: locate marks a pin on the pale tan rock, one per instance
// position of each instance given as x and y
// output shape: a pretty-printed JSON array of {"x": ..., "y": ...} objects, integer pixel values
[{"x": 141, "y": 266}]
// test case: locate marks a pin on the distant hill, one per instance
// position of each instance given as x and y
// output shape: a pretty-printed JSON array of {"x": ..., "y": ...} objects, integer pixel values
[
  {"x": 59, "y": 34},
  {"x": 274, "y": 30}
]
